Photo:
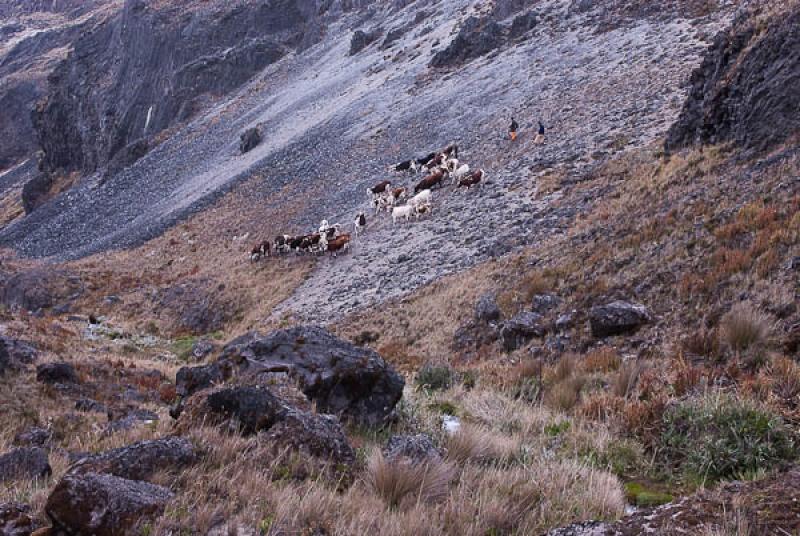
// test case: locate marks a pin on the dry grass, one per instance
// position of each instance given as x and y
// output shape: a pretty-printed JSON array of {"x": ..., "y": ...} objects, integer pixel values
[
  {"x": 745, "y": 327},
  {"x": 626, "y": 379},
  {"x": 605, "y": 359},
  {"x": 476, "y": 444},
  {"x": 401, "y": 484}
]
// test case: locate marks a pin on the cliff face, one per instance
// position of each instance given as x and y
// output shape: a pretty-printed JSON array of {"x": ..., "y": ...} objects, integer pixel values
[
  {"x": 746, "y": 90},
  {"x": 154, "y": 65}
]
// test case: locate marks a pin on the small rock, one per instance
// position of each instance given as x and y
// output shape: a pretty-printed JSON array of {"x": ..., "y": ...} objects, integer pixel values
[
  {"x": 103, "y": 505},
  {"x": 16, "y": 520},
  {"x": 246, "y": 409},
  {"x": 414, "y": 448},
  {"x": 520, "y": 329},
  {"x": 318, "y": 435},
  {"x": 617, "y": 318},
  {"x": 24, "y": 463},
  {"x": 56, "y": 373},
  {"x": 202, "y": 348},
  {"x": 88, "y": 405},
  {"x": 129, "y": 419},
  {"x": 451, "y": 424},
  {"x": 565, "y": 321},
  {"x": 362, "y": 40},
  {"x": 14, "y": 354}
]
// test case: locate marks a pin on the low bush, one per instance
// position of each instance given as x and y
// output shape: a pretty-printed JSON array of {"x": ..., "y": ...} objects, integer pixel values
[{"x": 719, "y": 436}]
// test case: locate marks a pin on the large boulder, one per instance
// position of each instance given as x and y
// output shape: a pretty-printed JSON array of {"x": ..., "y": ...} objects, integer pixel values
[
  {"x": 520, "y": 329},
  {"x": 321, "y": 436},
  {"x": 362, "y": 40},
  {"x": 40, "y": 288},
  {"x": 36, "y": 191},
  {"x": 189, "y": 380},
  {"x": 486, "y": 308},
  {"x": 24, "y": 463},
  {"x": 247, "y": 409},
  {"x": 16, "y": 520},
  {"x": 104, "y": 505},
  {"x": 139, "y": 461},
  {"x": 745, "y": 91},
  {"x": 341, "y": 378},
  {"x": 33, "y": 437},
  {"x": 617, "y": 318},
  {"x": 56, "y": 373}
]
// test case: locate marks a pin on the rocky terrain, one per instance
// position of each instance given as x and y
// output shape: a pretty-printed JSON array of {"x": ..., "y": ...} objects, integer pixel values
[{"x": 600, "y": 338}]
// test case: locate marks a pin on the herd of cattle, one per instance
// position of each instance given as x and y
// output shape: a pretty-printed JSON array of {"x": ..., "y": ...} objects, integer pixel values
[{"x": 438, "y": 166}]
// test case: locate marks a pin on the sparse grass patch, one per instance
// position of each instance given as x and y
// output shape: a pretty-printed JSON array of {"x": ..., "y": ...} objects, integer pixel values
[
  {"x": 604, "y": 359},
  {"x": 401, "y": 484},
  {"x": 745, "y": 328},
  {"x": 475, "y": 444}
]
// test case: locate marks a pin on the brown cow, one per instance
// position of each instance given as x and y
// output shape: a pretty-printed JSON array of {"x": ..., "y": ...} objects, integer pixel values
[
  {"x": 260, "y": 251},
  {"x": 451, "y": 151},
  {"x": 340, "y": 243},
  {"x": 430, "y": 181},
  {"x": 380, "y": 188},
  {"x": 399, "y": 193},
  {"x": 472, "y": 179}
]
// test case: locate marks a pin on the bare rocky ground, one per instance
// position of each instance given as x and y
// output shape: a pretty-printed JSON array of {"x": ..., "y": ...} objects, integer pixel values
[{"x": 332, "y": 124}]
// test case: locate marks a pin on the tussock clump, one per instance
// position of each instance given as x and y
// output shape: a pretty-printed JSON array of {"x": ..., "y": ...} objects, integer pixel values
[
  {"x": 435, "y": 376},
  {"x": 400, "y": 483},
  {"x": 745, "y": 328},
  {"x": 475, "y": 444}
]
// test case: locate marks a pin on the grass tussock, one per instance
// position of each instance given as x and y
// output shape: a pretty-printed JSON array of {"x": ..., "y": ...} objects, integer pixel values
[
  {"x": 401, "y": 484},
  {"x": 744, "y": 327}
]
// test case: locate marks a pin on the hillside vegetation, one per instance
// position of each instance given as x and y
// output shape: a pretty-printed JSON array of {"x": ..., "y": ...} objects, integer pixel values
[{"x": 601, "y": 339}]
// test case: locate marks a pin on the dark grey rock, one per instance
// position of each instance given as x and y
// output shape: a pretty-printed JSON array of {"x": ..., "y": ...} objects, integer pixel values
[
  {"x": 745, "y": 86},
  {"x": 39, "y": 288},
  {"x": 16, "y": 520},
  {"x": 15, "y": 354},
  {"x": 140, "y": 461},
  {"x": 33, "y": 437},
  {"x": 251, "y": 409},
  {"x": 88, "y": 405},
  {"x": 24, "y": 463},
  {"x": 520, "y": 329},
  {"x": 341, "y": 378},
  {"x": 617, "y": 318},
  {"x": 362, "y": 40},
  {"x": 565, "y": 321},
  {"x": 477, "y": 37},
  {"x": 56, "y": 373},
  {"x": 522, "y": 24},
  {"x": 486, "y": 308},
  {"x": 542, "y": 303},
  {"x": 103, "y": 505},
  {"x": 36, "y": 191},
  {"x": 126, "y": 157},
  {"x": 417, "y": 448},
  {"x": 202, "y": 348},
  {"x": 127, "y": 420},
  {"x": 249, "y": 140},
  {"x": 321, "y": 436}
]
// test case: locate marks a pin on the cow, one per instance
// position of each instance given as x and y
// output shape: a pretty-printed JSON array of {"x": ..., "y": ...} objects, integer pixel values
[
  {"x": 430, "y": 181},
  {"x": 260, "y": 251},
  {"x": 425, "y": 159},
  {"x": 310, "y": 242},
  {"x": 404, "y": 211},
  {"x": 281, "y": 243},
  {"x": 360, "y": 224},
  {"x": 460, "y": 173},
  {"x": 407, "y": 165},
  {"x": 422, "y": 198},
  {"x": 399, "y": 193},
  {"x": 295, "y": 243},
  {"x": 451, "y": 164},
  {"x": 451, "y": 151},
  {"x": 380, "y": 188},
  {"x": 435, "y": 162},
  {"x": 340, "y": 243},
  {"x": 472, "y": 179},
  {"x": 419, "y": 210}
]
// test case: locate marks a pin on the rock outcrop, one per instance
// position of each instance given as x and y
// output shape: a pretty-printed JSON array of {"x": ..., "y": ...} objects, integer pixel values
[
  {"x": 416, "y": 449},
  {"x": 15, "y": 354},
  {"x": 39, "y": 288},
  {"x": 165, "y": 62},
  {"x": 617, "y": 318},
  {"x": 103, "y": 505},
  {"x": 16, "y": 520},
  {"x": 249, "y": 140},
  {"x": 339, "y": 377},
  {"x": 520, "y": 329},
  {"x": 477, "y": 37},
  {"x": 745, "y": 91},
  {"x": 56, "y": 373}
]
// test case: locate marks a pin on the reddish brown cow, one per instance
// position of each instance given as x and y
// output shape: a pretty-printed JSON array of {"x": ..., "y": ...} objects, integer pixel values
[
  {"x": 472, "y": 179},
  {"x": 430, "y": 181},
  {"x": 339, "y": 243},
  {"x": 380, "y": 187},
  {"x": 260, "y": 251},
  {"x": 398, "y": 193}
]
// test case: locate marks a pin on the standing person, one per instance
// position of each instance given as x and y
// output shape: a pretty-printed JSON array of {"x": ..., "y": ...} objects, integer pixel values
[
  {"x": 540, "y": 135},
  {"x": 512, "y": 130}
]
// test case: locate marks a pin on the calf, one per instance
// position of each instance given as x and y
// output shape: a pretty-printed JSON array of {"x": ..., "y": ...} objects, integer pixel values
[
  {"x": 360, "y": 224},
  {"x": 451, "y": 151},
  {"x": 260, "y": 251},
  {"x": 399, "y": 193},
  {"x": 472, "y": 179},
  {"x": 281, "y": 243},
  {"x": 435, "y": 162},
  {"x": 422, "y": 209},
  {"x": 379, "y": 188},
  {"x": 430, "y": 181},
  {"x": 425, "y": 159},
  {"x": 404, "y": 211}
]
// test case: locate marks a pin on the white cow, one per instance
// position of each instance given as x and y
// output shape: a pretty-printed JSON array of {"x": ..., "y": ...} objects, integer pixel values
[
  {"x": 460, "y": 173},
  {"x": 404, "y": 211},
  {"x": 422, "y": 198}
]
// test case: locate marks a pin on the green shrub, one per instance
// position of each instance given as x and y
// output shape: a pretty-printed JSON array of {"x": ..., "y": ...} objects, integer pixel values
[
  {"x": 435, "y": 376},
  {"x": 641, "y": 496},
  {"x": 721, "y": 436}
]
